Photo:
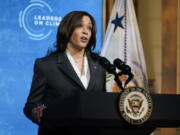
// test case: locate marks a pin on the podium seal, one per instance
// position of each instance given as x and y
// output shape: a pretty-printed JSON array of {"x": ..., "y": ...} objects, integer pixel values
[{"x": 135, "y": 105}]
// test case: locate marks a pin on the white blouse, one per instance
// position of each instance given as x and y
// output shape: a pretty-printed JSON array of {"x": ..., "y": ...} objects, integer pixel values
[{"x": 85, "y": 77}]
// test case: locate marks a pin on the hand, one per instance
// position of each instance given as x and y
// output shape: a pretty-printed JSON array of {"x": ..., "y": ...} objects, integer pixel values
[{"x": 37, "y": 113}]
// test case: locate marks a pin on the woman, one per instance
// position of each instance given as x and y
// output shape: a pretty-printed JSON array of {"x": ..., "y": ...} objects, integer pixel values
[{"x": 71, "y": 68}]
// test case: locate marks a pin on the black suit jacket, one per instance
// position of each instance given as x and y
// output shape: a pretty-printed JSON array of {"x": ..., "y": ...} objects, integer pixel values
[{"x": 55, "y": 80}]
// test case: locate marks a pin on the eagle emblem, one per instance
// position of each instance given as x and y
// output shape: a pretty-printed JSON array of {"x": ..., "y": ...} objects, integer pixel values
[{"x": 135, "y": 105}]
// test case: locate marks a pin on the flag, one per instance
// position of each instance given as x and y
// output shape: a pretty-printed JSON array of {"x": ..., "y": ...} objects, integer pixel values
[{"x": 122, "y": 40}]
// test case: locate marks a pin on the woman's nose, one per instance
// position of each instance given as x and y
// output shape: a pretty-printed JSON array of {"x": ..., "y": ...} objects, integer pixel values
[{"x": 85, "y": 31}]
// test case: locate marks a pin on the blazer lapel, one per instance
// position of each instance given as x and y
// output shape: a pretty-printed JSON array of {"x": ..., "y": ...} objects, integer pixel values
[
  {"x": 65, "y": 66},
  {"x": 93, "y": 71}
]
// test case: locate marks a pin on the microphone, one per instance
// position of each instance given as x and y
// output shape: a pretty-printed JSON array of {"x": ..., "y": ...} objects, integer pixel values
[
  {"x": 122, "y": 66},
  {"x": 118, "y": 63},
  {"x": 125, "y": 69},
  {"x": 110, "y": 68}
]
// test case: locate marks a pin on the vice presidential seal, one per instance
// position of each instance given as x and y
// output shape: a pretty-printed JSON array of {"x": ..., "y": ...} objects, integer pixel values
[{"x": 135, "y": 105}]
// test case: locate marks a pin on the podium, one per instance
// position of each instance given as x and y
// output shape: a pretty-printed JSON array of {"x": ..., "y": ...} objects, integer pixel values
[{"x": 100, "y": 111}]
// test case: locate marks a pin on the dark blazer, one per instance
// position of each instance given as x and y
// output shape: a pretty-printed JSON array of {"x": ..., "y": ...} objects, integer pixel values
[{"x": 55, "y": 79}]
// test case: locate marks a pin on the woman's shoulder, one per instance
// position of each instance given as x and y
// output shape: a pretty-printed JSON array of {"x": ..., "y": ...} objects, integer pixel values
[
  {"x": 48, "y": 58},
  {"x": 95, "y": 56},
  {"x": 45, "y": 63}
]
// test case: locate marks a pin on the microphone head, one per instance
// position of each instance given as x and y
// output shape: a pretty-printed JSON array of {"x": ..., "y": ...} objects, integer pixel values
[
  {"x": 127, "y": 68},
  {"x": 119, "y": 64},
  {"x": 105, "y": 63}
]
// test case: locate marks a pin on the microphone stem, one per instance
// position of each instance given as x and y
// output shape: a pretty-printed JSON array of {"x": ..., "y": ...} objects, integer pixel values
[{"x": 119, "y": 83}]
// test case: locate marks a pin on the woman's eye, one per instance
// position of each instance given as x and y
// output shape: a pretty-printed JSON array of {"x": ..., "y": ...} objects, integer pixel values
[{"x": 90, "y": 28}]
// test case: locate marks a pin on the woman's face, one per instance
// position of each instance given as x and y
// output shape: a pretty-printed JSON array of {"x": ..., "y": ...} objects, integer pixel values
[{"x": 81, "y": 34}]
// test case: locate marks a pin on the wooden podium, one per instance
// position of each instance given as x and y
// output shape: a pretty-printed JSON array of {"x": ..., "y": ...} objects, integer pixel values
[{"x": 100, "y": 110}]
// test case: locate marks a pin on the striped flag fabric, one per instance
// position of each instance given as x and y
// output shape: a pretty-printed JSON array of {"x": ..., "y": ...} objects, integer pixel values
[{"x": 122, "y": 40}]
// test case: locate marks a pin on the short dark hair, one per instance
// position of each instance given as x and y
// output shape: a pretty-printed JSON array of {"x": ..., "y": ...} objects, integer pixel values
[{"x": 66, "y": 28}]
